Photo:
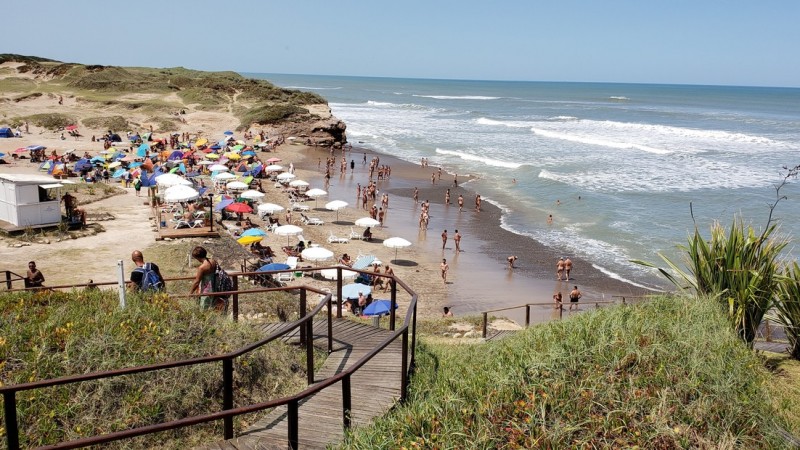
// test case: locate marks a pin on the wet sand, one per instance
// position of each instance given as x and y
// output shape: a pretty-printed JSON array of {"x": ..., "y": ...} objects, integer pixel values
[{"x": 479, "y": 278}]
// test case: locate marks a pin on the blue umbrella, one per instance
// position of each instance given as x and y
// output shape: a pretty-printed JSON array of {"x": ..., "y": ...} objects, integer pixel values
[
  {"x": 228, "y": 133},
  {"x": 254, "y": 232},
  {"x": 273, "y": 266},
  {"x": 352, "y": 290},
  {"x": 221, "y": 205},
  {"x": 2, "y": 154},
  {"x": 142, "y": 150},
  {"x": 134, "y": 165},
  {"x": 378, "y": 308},
  {"x": 118, "y": 173}
]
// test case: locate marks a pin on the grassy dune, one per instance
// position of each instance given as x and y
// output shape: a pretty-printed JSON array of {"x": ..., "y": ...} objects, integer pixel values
[{"x": 667, "y": 374}]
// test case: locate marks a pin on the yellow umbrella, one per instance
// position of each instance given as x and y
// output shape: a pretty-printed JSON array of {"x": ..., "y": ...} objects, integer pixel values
[
  {"x": 247, "y": 240},
  {"x": 233, "y": 156},
  {"x": 201, "y": 141},
  {"x": 114, "y": 164},
  {"x": 212, "y": 156}
]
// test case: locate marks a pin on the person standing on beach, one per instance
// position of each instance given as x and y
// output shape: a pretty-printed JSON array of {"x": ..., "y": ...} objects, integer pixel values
[
  {"x": 557, "y": 299},
  {"x": 560, "y": 268},
  {"x": 440, "y": 173},
  {"x": 457, "y": 240},
  {"x": 478, "y": 202},
  {"x": 574, "y": 296},
  {"x": 34, "y": 277},
  {"x": 460, "y": 202},
  {"x": 567, "y": 267},
  {"x": 416, "y": 195},
  {"x": 433, "y": 178},
  {"x": 444, "y": 238},
  {"x": 511, "y": 259},
  {"x": 455, "y": 180},
  {"x": 444, "y": 268},
  {"x": 447, "y": 197}
]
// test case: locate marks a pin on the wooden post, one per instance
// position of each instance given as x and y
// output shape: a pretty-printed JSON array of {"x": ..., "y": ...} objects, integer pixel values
[
  {"x": 235, "y": 300},
  {"x": 485, "y": 319},
  {"x": 346, "y": 402},
  {"x": 302, "y": 314},
  {"x": 309, "y": 328},
  {"x": 10, "y": 411},
  {"x": 227, "y": 395},
  {"x": 339, "y": 295},
  {"x": 527, "y": 315},
  {"x": 8, "y": 280},
  {"x": 393, "y": 304},
  {"x": 294, "y": 428},
  {"x": 561, "y": 311},
  {"x": 404, "y": 368}
]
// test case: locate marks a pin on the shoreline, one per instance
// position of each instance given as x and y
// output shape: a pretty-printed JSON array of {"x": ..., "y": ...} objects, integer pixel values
[{"x": 479, "y": 272}]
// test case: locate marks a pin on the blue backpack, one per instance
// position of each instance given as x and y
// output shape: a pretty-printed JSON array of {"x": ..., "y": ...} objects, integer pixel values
[{"x": 151, "y": 281}]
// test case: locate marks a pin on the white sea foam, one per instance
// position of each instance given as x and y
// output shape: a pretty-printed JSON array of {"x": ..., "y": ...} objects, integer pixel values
[
  {"x": 597, "y": 141},
  {"x": 619, "y": 277},
  {"x": 618, "y": 98},
  {"x": 482, "y": 159},
  {"x": 492, "y": 122},
  {"x": 458, "y": 97},
  {"x": 562, "y": 118}
]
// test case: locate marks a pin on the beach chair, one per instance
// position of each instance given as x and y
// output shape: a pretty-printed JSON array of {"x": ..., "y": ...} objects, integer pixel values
[
  {"x": 355, "y": 234},
  {"x": 197, "y": 223},
  {"x": 311, "y": 220},
  {"x": 332, "y": 239},
  {"x": 299, "y": 207},
  {"x": 285, "y": 277}
]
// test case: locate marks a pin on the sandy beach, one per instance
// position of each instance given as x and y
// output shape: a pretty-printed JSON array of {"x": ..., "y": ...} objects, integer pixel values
[{"x": 479, "y": 278}]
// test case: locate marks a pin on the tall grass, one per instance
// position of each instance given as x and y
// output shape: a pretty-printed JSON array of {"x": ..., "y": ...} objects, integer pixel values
[
  {"x": 665, "y": 374},
  {"x": 788, "y": 306},
  {"x": 47, "y": 335},
  {"x": 740, "y": 269}
]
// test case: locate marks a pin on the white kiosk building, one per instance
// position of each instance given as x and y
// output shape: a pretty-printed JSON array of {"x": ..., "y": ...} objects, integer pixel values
[{"x": 29, "y": 200}]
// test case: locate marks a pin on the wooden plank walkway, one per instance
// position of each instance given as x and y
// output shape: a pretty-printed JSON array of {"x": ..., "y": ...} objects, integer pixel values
[{"x": 375, "y": 388}]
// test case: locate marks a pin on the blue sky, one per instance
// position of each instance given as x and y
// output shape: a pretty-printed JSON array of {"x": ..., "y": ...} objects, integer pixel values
[{"x": 733, "y": 42}]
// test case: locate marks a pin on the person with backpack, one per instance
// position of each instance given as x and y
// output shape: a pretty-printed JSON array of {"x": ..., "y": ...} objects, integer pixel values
[
  {"x": 146, "y": 277},
  {"x": 210, "y": 278}
]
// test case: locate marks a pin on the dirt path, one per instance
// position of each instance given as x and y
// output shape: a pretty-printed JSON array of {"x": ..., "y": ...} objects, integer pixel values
[{"x": 93, "y": 257}]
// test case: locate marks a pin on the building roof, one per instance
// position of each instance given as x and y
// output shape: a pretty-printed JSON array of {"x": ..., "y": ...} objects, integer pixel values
[{"x": 27, "y": 178}]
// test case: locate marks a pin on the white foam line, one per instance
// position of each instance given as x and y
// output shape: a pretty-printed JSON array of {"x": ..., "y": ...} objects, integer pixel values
[{"x": 616, "y": 276}]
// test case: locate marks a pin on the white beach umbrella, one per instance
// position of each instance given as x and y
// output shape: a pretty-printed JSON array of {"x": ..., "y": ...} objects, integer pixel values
[
  {"x": 367, "y": 222},
  {"x": 288, "y": 230},
  {"x": 331, "y": 274},
  {"x": 336, "y": 205},
  {"x": 180, "y": 193},
  {"x": 273, "y": 168},
  {"x": 396, "y": 243},
  {"x": 298, "y": 183},
  {"x": 206, "y": 162},
  {"x": 315, "y": 194},
  {"x": 236, "y": 185},
  {"x": 218, "y": 168},
  {"x": 316, "y": 254},
  {"x": 252, "y": 194},
  {"x": 170, "y": 179},
  {"x": 286, "y": 176},
  {"x": 269, "y": 208},
  {"x": 225, "y": 176}
]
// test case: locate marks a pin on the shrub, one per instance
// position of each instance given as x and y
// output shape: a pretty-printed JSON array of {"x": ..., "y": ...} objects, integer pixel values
[
  {"x": 51, "y": 121},
  {"x": 787, "y": 303},
  {"x": 270, "y": 114},
  {"x": 116, "y": 123}
]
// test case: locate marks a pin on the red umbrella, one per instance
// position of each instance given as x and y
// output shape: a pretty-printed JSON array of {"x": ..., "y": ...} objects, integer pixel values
[
  {"x": 21, "y": 150},
  {"x": 239, "y": 208},
  {"x": 273, "y": 160},
  {"x": 71, "y": 127}
]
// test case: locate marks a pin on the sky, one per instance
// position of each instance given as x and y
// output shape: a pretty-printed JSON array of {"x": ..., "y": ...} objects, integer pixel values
[{"x": 733, "y": 42}]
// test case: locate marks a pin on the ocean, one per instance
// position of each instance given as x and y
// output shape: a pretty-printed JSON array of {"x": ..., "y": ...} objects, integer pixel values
[{"x": 625, "y": 170}]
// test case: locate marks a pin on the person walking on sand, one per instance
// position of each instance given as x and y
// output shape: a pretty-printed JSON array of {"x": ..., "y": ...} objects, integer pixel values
[
  {"x": 444, "y": 238},
  {"x": 478, "y": 202},
  {"x": 511, "y": 260},
  {"x": 444, "y": 268},
  {"x": 433, "y": 178},
  {"x": 574, "y": 296},
  {"x": 447, "y": 197},
  {"x": 560, "y": 268},
  {"x": 457, "y": 240},
  {"x": 567, "y": 267},
  {"x": 460, "y": 202},
  {"x": 557, "y": 299},
  {"x": 416, "y": 195},
  {"x": 140, "y": 279}
]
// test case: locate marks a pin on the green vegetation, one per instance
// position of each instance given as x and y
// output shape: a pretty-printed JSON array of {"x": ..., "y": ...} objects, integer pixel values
[
  {"x": 665, "y": 374},
  {"x": 107, "y": 123},
  {"x": 50, "y": 121},
  {"x": 48, "y": 335},
  {"x": 271, "y": 114},
  {"x": 788, "y": 306}
]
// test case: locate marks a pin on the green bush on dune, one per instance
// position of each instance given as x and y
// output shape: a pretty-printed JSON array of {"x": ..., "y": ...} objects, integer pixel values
[
  {"x": 49, "y": 335},
  {"x": 666, "y": 374}
]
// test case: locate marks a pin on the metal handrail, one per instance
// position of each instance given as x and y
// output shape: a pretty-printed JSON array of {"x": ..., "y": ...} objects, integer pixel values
[{"x": 306, "y": 336}]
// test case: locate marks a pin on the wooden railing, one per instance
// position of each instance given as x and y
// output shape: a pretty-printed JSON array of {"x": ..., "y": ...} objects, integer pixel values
[
  {"x": 406, "y": 332},
  {"x": 527, "y": 307},
  {"x": 11, "y": 277}
]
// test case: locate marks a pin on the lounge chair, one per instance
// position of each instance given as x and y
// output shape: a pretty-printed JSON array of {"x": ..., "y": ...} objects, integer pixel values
[
  {"x": 332, "y": 239},
  {"x": 311, "y": 220},
  {"x": 355, "y": 234},
  {"x": 286, "y": 277},
  {"x": 298, "y": 207}
]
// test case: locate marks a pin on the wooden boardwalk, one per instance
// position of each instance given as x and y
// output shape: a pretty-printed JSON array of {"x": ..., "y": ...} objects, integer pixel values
[{"x": 375, "y": 389}]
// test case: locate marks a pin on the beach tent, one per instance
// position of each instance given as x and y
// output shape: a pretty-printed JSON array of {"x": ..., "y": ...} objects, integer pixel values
[
  {"x": 6, "y": 132},
  {"x": 175, "y": 156},
  {"x": 115, "y": 138}
]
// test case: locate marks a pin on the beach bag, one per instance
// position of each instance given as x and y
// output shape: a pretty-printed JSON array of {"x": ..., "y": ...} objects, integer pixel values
[
  {"x": 151, "y": 281},
  {"x": 222, "y": 281}
]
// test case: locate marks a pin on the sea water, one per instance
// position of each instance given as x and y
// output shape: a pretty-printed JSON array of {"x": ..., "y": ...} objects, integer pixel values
[{"x": 626, "y": 170}]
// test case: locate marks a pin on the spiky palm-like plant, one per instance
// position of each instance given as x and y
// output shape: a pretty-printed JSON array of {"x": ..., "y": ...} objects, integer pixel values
[{"x": 787, "y": 302}]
